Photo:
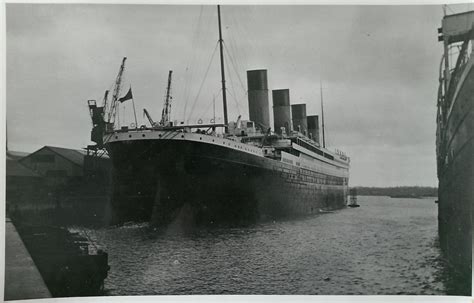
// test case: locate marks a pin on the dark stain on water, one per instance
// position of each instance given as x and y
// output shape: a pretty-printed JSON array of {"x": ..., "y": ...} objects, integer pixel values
[{"x": 385, "y": 247}]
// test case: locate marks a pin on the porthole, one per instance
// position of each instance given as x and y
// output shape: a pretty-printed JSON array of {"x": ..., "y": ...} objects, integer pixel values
[
  {"x": 143, "y": 135},
  {"x": 129, "y": 136},
  {"x": 116, "y": 137},
  {"x": 200, "y": 138},
  {"x": 159, "y": 135},
  {"x": 182, "y": 136}
]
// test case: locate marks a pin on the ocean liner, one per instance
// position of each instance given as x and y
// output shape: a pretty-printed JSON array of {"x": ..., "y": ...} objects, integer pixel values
[
  {"x": 455, "y": 146},
  {"x": 236, "y": 172}
]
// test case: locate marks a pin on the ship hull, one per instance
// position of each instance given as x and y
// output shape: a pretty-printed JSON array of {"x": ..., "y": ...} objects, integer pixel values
[
  {"x": 456, "y": 180},
  {"x": 455, "y": 196},
  {"x": 167, "y": 180}
]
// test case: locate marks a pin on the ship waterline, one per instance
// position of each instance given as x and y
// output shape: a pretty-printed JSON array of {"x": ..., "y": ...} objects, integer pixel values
[{"x": 160, "y": 176}]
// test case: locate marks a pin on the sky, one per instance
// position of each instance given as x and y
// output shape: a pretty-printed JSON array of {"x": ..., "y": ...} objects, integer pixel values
[{"x": 378, "y": 66}]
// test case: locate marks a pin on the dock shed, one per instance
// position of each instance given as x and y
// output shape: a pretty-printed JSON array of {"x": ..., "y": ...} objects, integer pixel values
[
  {"x": 51, "y": 161},
  {"x": 22, "y": 183}
]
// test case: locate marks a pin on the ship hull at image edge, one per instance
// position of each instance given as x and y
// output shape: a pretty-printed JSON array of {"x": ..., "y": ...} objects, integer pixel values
[{"x": 455, "y": 151}]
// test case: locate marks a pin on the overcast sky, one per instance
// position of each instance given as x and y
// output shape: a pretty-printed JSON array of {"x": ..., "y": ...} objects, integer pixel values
[{"x": 378, "y": 64}]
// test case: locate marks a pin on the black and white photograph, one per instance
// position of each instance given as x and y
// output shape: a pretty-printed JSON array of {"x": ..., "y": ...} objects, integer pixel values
[{"x": 244, "y": 149}]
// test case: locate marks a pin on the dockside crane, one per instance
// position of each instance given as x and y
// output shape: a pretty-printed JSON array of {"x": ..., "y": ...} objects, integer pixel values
[
  {"x": 106, "y": 99},
  {"x": 98, "y": 122},
  {"x": 116, "y": 93},
  {"x": 166, "y": 112},
  {"x": 145, "y": 112}
]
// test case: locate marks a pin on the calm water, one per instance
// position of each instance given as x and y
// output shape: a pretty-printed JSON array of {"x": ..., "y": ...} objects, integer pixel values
[{"x": 387, "y": 246}]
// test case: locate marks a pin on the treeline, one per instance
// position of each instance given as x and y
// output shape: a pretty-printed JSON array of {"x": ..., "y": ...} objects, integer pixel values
[{"x": 399, "y": 191}]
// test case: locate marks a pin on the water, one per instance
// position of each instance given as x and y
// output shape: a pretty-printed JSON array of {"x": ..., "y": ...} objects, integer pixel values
[{"x": 387, "y": 246}]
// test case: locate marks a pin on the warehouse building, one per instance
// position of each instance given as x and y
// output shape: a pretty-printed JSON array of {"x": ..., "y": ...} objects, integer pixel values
[{"x": 65, "y": 163}]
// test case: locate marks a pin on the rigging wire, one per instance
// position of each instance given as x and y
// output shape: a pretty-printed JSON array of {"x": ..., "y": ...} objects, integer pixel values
[
  {"x": 244, "y": 37},
  {"x": 234, "y": 54},
  {"x": 207, "y": 26},
  {"x": 234, "y": 66},
  {"x": 231, "y": 82},
  {"x": 236, "y": 32},
  {"x": 236, "y": 101},
  {"x": 203, "y": 80},
  {"x": 189, "y": 70},
  {"x": 233, "y": 94},
  {"x": 238, "y": 54},
  {"x": 231, "y": 56},
  {"x": 209, "y": 105}
]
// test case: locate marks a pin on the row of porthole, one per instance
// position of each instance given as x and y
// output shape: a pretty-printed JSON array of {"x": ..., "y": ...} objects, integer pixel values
[
  {"x": 235, "y": 146},
  {"x": 200, "y": 138},
  {"x": 182, "y": 136},
  {"x": 143, "y": 135}
]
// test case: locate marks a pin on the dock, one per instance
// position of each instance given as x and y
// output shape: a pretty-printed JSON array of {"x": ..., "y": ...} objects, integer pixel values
[{"x": 22, "y": 278}]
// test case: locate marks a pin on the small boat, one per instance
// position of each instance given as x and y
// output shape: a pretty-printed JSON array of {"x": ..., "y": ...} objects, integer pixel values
[
  {"x": 353, "y": 198},
  {"x": 323, "y": 211}
]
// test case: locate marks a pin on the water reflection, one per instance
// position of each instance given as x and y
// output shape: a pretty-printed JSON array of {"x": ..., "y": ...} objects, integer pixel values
[{"x": 387, "y": 246}]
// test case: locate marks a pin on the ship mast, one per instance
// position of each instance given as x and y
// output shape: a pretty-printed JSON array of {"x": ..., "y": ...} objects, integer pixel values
[
  {"x": 224, "y": 99},
  {"x": 322, "y": 113}
]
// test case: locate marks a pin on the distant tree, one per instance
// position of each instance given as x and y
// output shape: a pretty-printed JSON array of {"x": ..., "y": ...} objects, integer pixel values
[{"x": 398, "y": 191}]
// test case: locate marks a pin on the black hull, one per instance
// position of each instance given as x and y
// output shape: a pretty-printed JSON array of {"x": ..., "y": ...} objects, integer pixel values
[
  {"x": 166, "y": 180},
  {"x": 456, "y": 185},
  {"x": 455, "y": 196}
]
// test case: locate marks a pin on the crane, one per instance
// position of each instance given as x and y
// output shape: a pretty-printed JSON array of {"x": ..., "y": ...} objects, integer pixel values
[
  {"x": 117, "y": 87},
  {"x": 106, "y": 96},
  {"x": 145, "y": 112},
  {"x": 236, "y": 126},
  {"x": 166, "y": 112},
  {"x": 238, "y": 121}
]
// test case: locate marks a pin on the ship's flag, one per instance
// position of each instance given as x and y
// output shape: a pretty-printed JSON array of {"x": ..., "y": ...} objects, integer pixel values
[{"x": 128, "y": 96}]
